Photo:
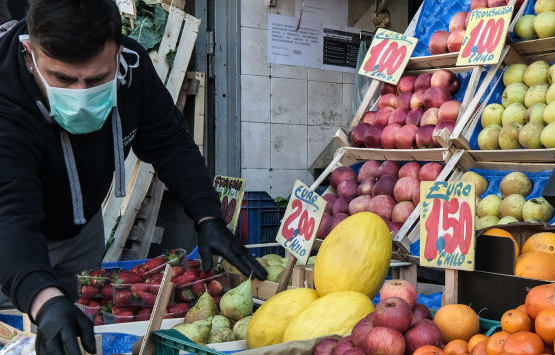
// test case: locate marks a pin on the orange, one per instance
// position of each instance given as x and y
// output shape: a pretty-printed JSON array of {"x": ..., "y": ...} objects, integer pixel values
[
  {"x": 456, "y": 347},
  {"x": 498, "y": 232},
  {"x": 540, "y": 298},
  {"x": 457, "y": 321},
  {"x": 544, "y": 241},
  {"x": 475, "y": 340},
  {"x": 515, "y": 320},
  {"x": 428, "y": 350},
  {"x": 479, "y": 349},
  {"x": 522, "y": 307},
  {"x": 496, "y": 342},
  {"x": 523, "y": 343},
  {"x": 536, "y": 265},
  {"x": 545, "y": 325}
]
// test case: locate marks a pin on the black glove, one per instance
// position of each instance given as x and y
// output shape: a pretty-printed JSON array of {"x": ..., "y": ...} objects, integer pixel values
[
  {"x": 214, "y": 237},
  {"x": 59, "y": 323}
]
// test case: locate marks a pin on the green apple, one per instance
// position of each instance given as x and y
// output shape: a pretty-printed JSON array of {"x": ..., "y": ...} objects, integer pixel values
[
  {"x": 551, "y": 74},
  {"x": 515, "y": 112},
  {"x": 507, "y": 220},
  {"x": 512, "y": 206},
  {"x": 486, "y": 222},
  {"x": 536, "y": 73},
  {"x": 492, "y": 115},
  {"x": 548, "y": 136},
  {"x": 524, "y": 27},
  {"x": 535, "y": 113},
  {"x": 544, "y": 24},
  {"x": 529, "y": 135},
  {"x": 514, "y": 74},
  {"x": 536, "y": 95},
  {"x": 544, "y": 5},
  {"x": 508, "y": 136},
  {"x": 515, "y": 92},
  {"x": 489, "y": 206},
  {"x": 488, "y": 139},
  {"x": 549, "y": 113},
  {"x": 550, "y": 95}
]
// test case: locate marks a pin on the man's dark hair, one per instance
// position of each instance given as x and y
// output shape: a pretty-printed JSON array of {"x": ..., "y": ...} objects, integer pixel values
[{"x": 73, "y": 30}]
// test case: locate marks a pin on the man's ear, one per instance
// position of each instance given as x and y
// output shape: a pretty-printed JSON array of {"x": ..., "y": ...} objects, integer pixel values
[{"x": 28, "y": 58}]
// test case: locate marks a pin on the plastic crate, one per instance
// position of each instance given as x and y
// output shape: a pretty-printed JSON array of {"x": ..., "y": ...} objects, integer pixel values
[
  {"x": 169, "y": 342},
  {"x": 259, "y": 221}
]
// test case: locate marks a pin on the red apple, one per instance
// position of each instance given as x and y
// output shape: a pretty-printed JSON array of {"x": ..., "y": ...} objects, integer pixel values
[
  {"x": 360, "y": 204},
  {"x": 417, "y": 100},
  {"x": 388, "y": 88},
  {"x": 347, "y": 188},
  {"x": 496, "y": 3},
  {"x": 404, "y": 188},
  {"x": 445, "y": 78},
  {"x": 384, "y": 186},
  {"x": 354, "y": 351},
  {"x": 341, "y": 348},
  {"x": 406, "y": 84},
  {"x": 399, "y": 288},
  {"x": 402, "y": 211},
  {"x": 436, "y": 96},
  {"x": 388, "y": 135},
  {"x": 406, "y": 137},
  {"x": 414, "y": 116},
  {"x": 393, "y": 227},
  {"x": 358, "y": 133},
  {"x": 438, "y": 42},
  {"x": 457, "y": 22},
  {"x": 368, "y": 170},
  {"x": 430, "y": 117},
  {"x": 393, "y": 312},
  {"x": 341, "y": 205},
  {"x": 388, "y": 167},
  {"x": 468, "y": 16},
  {"x": 478, "y": 4},
  {"x": 424, "y": 136},
  {"x": 382, "y": 340},
  {"x": 369, "y": 117},
  {"x": 342, "y": 173},
  {"x": 325, "y": 346},
  {"x": 425, "y": 332},
  {"x": 410, "y": 169},
  {"x": 365, "y": 187},
  {"x": 387, "y": 100},
  {"x": 382, "y": 117},
  {"x": 403, "y": 100},
  {"x": 422, "y": 81},
  {"x": 330, "y": 200},
  {"x": 416, "y": 197},
  {"x": 430, "y": 171},
  {"x": 337, "y": 218},
  {"x": 444, "y": 129},
  {"x": 373, "y": 137},
  {"x": 382, "y": 205},
  {"x": 455, "y": 40},
  {"x": 420, "y": 312},
  {"x": 398, "y": 116},
  {"x": 449, "y": 111},
  {"x": 324, "y": 225},
  {"x": 361, "y": 330}
]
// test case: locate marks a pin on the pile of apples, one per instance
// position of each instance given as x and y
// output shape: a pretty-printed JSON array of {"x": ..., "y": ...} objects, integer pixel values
[
  {"x": 542, "y": 25},
  {"x": 411, "y": 113},
  {"x": 451, "y": 41},
  {"x": 526, "y": 116},
  {"x": 388, "y": 189}
]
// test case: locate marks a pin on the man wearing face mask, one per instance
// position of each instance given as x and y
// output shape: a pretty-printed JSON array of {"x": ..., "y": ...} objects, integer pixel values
[{"x": 75, "y": 97}]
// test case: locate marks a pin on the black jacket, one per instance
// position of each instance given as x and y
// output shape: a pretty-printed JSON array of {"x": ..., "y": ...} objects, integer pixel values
[{"x": 35, "y": 201}]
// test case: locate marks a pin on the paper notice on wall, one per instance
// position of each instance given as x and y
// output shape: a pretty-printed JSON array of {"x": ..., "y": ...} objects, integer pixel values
[{"x": 325, "y": 11}]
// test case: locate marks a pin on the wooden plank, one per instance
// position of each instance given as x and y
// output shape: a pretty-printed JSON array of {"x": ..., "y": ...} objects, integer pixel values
[
  {"x": 337, "y": 157},
  {"x": 409, "y": 273},
  {"x": 169, "y": 40},
  {"x": 451, "y": 293},
  {"x": 198, "y": 121},
  {"x": 360, "y": 154},
  {"x": 432, "y": 61},
  {"x": 515, "y": 155},
  {"x": 297, "y": 277},
  {"x": 158, "y": 235},
  {"x": 365, "y": 104},
  {"x": 341, "y": 137},
  {"x": 175, "y": 3},
  {"x": 286, "y": 274}
]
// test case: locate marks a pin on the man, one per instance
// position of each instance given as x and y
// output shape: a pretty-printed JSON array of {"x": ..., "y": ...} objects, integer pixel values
[{"x": 75, "y": 97}]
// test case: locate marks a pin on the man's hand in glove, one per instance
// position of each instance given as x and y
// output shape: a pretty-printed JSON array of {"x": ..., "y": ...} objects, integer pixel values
[
  {"x": 59, "y": 323},
  {"x": 215, "y": 238}
]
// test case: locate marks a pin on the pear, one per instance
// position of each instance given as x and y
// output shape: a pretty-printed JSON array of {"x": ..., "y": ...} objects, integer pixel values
[
  {"x": 272, "y": 257},
  {"x": 535, "y": 113},
  {"x": 537, "y": 208},
  {"x": 512, "y": 206},
  {"x": 488, "y": 138},
  {"x": 515, "y": 183},
  {"x": 230, "y": 268},
  {"x": 547, "y": 138},
  {"x": 198, "y": 331},
  {"x": 514, "y": 93},
  {"x": 274, "y": 272},
  {"x": 551, "y": 74},
  {"x": 204, "y": 309},
  {"x": 514, "y": 74},
  {"x": 524, "y": 27},
  {"x": 237, "y": 302},
  {"x": 507, "y": 220},
  {"x": 220, "y": 321},
  {"x": 529, "y": 135},
  {"x": 535, "y": 95},
  {"x": 311, "y": 260},
  {"x": 240, "y": 328},
  {"x": 550, "y": 94},
  {"x": 220, "y": 335},
  {"x": 485, "y": 222},
  {"x": 536, "y": 73},
  {"x": 549, "y": 113},
  {"x": 489, "y": 206},
  {"x": 508, "y": 136},
  {"x": 274, "y": 262},
  {"x": 264, "y": 262}
]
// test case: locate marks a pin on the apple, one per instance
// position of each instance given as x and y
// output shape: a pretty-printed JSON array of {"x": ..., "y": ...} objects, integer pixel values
[
  {"x": 358, "y": 133},
  {"x": 368, "y": 170},
  {"x": 547, "y": 136},
  {"x": 361, "y": 330},
  {"x": 496, "y": 3},
  {"x": 394, "y": 313},
  {"x": 514, "y": 74},
  {"x": 424, "y": 137},
  {"x": 534, "y": 114},
  {"x": 458, "y": 22},
  {"x": 404, "y": 188},
  {"x": 544, "y": 5},
  {"x": 445, "y": 78},
  {"x": 388, "y": 167},
  {"x": 422, "y": 81},
  {"x": 369, "y": 117},
  {"x": 325, "y": 346},
  {"x": 330, "y": 200},
  {"x": 324, "y": 225},
  {"x": 430, "y": 117},
  {"x": 536, "y": 94},
  {"x": 536, "y": 73},
  {"x": 342, "y": 347},
  {"x": 515, "y": 112},
  {"x": 373, "y": 137},
  {"x": 455, "y": 40},
  {"x": 551, "y": 74},
  {"x": 399, "y": 288},
  {"x": 340, "y": 174},
  {"x": 436, "y": 96},
  {"x": 443, "y": 129},
  {"x": 508, "y": 136},
  {"x": 414, "y": 116},
  {"x": 382, "y": 117},
  {"x": 384, "y": 186},
  {"x": 398, "y": 116},
  {"x": 410, "y": 169},
  {"x": 360, "y": 204},
  {"x": 515, "y": 92},
  {"x": 403, "y": 100},
  {"x": 416, "y": 197},
  {"x": 402, "y": 211},
  {"x": 467, "y": 20},
  {"x": 420, "y": 312},
  {"x": 430, "y": 171},
  {"x": 478, "y": 4},
  {"x": 417, "y": 100},
  {"x": 549, "y": 113},
  {"x": 383, "y": 205},
  {"x": 492, "y": 115},
  {"x": 365, "y": 187},
  {"x": 449, "y": 111},
  {"x": 550, "y": 95},
  {"x": 438, "y": 42},
  {"x": 524, "y": 27},
  {"x": 382, "y": 340},
  {"x": 388, "y": 88},
  {"x": 406, "y": 84},
  {"x": 425, "y": 332},
  {"x": 406, "y": 137},
  {"x": 488, "y": 138},
  {"x": 341, "y": 205},
  {"x": 388, "y": 135},
  {"x": 387, "y": 100},
  {"x": 347, "y": 188},
  {"x": 544, "y": 24},
  {"x": 393, "y": 227}
]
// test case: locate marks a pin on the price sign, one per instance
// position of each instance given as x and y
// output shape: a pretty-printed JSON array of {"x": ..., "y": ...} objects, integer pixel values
[
  {"x": 485, "y": 36},
  {"x": 126, "y": 7},
  {"x": 231, "y": 192},
  {"x": 387, "y": 56},
  {"x": 447, "y": 224},
  {"x": 300, "y": 222}
]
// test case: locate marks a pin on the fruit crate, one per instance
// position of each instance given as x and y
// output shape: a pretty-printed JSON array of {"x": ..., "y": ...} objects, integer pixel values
[
  {"x": 259, "y": 221},
  {"x": 170, "y": 342},
  {"x": 534, "y": 45},
  {"x": 90, "y": 312}
]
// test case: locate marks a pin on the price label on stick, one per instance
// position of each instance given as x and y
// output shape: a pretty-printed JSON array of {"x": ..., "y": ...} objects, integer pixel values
[
  {"x": 485, "y": 36},
  {"x": 387, "y": 56},
  {"x": 300, "y": 222},
  {"x": 447, "y": 224},
  {"x": 231, "y": 191}
]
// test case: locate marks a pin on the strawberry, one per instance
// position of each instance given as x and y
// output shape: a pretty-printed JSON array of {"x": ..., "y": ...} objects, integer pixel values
[
  {"x": 154, "y": 263},
  {"x": 143, "y": 314},
  {"x": 138, "y": 269},
  {"x": 185, "y": 279},
  {"x": 85, "y": 301},
  {"x": 124, "y": 317},
  {"x": 139, "y": 289},
  {"x": 94, "y": 308},
  {"x": 217, "y": 300},
  {"x": 186, "y": 295},
  {"x": 154, "y": 287},
  {"x": 198, "y": 288},
  {"x": 99, "y": 277},
  {"x": 127, "y": 278},
  {"x": 119, "y": 310},
  {"x": 83, "y": 278},
  {"x": 215, "y": 288},
  {"x": 149, "y": 299},
  {"x": 157, "y": 277},
  {"x": 98, "y": 320},
  {"x": 108, "y": 306},
  {"x": 205, "y": 275},
  {"x": 89, "y": 291},
  {"x": 193, "y": 264},
  {"x": 174, "y": 257},
  {"x": 124, "y": 298},
  {"x": 178, "y": 310},
  {"x": 107, "y": 291},
  {"x": 177, "y": 270}
]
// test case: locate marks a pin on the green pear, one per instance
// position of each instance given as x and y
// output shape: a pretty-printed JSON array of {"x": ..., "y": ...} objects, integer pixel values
[
  {"x": 237, "y": 303},
  {"x": 536, "y": 73},
  {"x": 269, "y": 257},
  {"x": 515, "y": 183},
  {"x": 488, "y": 138},
  {"x": 489, "y": 206},
  {"x": 550, "y": 95},
  {"x": 198, "y": 331},
  {"x": 514, "y": 93},
  {"x": 529, "y": 135},
  {"x": 480, "y": 182},
  {"x": 535, "y": 113},
  {"x": 544, "y": 24},
  {"x": 537, "y": 208},
  {"x": 551, "y": 74},
  {"x": 512, "y": 206},
  {"x": 514, "y": 74},
  {"x": 220, "y": 335},
  {"x": 507, "y": 220},
  {"x": 524, "y": 27},
  {"x": 274, "y": 272},
  {"x": 240, "y": 328},
  {"x": 492, "y": 115},
  {"x": 205, "y": 308},
  {"x": 274, "y": 262},
  {"x": 228, "y": 267},
  {"x": 263, "y": 262},
  {"x": 220, "y": 321},
  {"x": 548, "y": 136},
  {"x": 544, "y": 5},
  {"x": 311, "y": 260},
  {"x": 485, "y": 222},
  {"x": 536, "y": 95},
  {"x": 508, "y": 136},
  {"x": 549, "y": 113},
  {"x": 515, "y": 112}
]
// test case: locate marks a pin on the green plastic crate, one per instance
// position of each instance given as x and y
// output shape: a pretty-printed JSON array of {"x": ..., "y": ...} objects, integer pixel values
[{"x": 169, "y": 342}]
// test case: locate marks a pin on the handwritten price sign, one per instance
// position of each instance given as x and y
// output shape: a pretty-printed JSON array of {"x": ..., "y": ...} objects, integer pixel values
[
  {"x": 387, "y": 56},
  {"x": 485, "y": 36},
  {"x": 300, "y": 222},
  {"x": 126, "y": 7},
  {"x": 231, "y": 192},
  {"x": 447, "y": 224}
]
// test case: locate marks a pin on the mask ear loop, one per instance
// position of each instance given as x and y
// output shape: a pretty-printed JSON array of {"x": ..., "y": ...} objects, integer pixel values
[{"x": 126, "y": 66}]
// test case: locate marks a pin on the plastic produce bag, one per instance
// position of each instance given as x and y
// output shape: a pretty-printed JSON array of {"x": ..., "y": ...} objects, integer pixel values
[{"x": 22, "y": 346}]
